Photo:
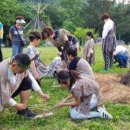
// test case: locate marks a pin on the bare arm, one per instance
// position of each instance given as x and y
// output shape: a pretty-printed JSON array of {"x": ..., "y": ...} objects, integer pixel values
[
  {"x": 72, "y": 104},
  {"x": 10, "y": 36},
  {"x": 0, "y": 33},
  {"x": 33, "y": 67}
]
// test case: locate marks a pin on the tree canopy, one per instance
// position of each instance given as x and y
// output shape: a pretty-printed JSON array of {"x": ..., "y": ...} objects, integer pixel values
[{"x": 70, "y": 14}]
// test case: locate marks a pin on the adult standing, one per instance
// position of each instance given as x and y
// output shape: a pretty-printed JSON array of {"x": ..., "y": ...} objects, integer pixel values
[
  {"x": 1, "y": 38},
  {"x": 16, "y": 35},
  {"x": 109, "y": 40}
]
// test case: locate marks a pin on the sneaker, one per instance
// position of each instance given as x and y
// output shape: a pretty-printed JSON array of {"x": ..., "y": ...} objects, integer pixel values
[
  {"x": 104, "y": 113},
  {"x": 26, "y": 113},
  {"x": 105, "y": 70}
]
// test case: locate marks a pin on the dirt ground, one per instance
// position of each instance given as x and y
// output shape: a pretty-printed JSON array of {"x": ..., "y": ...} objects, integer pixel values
[{"x": 112, "y": 89}]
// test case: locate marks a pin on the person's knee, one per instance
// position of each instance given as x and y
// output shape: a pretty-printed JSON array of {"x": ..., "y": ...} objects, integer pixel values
[
  {"x": 74, "y": 116},
  {"x": 26, "y": 84}
]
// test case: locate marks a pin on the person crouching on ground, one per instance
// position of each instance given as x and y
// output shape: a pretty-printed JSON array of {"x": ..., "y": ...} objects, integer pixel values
[
  {"x": 15, "y": 79},
  {"x": 86, "y": 93},
  {"x": 121, "y": 56}
]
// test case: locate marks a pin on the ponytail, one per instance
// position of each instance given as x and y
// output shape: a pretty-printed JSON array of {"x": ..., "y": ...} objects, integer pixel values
[{"x": 74, "y": 76}]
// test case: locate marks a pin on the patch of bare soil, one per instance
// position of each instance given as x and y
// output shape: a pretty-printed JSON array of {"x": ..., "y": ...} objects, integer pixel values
[{"x": 112, "y": 89}]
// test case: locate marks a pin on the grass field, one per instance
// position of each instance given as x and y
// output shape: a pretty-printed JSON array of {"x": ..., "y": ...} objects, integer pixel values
[{"x": 61, "y": 120}]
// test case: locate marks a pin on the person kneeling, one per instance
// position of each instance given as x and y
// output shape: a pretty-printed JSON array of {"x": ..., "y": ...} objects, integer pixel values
[{"x": 86, "y": 93}]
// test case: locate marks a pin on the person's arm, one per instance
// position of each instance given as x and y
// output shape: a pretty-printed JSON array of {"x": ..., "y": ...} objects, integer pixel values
[
  {"x": 68, "y": 98},
  {"x": 37, "y": 88},
  {"x": 35, "y": 73},
  {"x": 72, "y": 104},
  {"x": 11, "y": 33}
]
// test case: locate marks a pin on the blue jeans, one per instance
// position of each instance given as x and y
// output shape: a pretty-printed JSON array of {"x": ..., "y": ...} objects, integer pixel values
[
  {"x": 121, "y": 58},
  {"x": 1, "y": 55},
  {"x": 93, "y": 103},
  {"x": 16, "y": 48}
]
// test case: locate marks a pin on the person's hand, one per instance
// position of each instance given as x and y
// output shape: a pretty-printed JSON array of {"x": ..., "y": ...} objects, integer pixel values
[
  {"x": 61, "y": 104},
  {"x": 45, "y": 96},
  {"x": 20, "y": 106}
]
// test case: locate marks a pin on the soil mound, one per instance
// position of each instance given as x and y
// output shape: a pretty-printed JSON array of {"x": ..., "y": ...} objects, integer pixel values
[{"x": 112, "y": 89}]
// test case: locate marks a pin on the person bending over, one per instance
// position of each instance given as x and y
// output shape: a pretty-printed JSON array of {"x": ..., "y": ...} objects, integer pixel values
[{"x": 15, "y": 79}]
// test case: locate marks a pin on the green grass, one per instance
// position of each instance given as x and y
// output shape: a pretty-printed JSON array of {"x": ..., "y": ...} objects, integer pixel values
[{"x": 61, "y": 120}]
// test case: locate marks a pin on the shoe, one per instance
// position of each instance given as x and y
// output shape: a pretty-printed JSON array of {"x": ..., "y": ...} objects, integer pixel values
[
  {"x": 26, "y": 113},
  {"x": 104, "y": 70},
  {"x": 104, "y": 113}
]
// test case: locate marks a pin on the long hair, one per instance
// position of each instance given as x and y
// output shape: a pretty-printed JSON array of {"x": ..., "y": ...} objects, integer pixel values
[{"x": 67, "y": 75}]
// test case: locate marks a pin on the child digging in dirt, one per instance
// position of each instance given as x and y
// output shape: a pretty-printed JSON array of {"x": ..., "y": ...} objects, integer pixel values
[{"x": 85, "y": 91}]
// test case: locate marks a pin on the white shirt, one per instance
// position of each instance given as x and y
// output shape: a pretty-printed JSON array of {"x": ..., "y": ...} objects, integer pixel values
[
  {"x": 119, "y": 48},
  {"x": 109, "y": 24}
]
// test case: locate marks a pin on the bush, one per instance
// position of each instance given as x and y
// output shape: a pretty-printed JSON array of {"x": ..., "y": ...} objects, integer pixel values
[{"x": 80, "y": 33}]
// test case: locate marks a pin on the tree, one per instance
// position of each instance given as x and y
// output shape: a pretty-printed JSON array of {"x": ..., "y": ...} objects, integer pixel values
[
  {"x": 92, "y": 11},
  {"x": 68, "y": 25},
  {"x": 80, "y": 33}
]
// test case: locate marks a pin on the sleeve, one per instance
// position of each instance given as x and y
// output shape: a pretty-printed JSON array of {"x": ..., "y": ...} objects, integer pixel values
[
  {"x": 35, "y": 85},
  {"x": 12, "y": 102},
  {"x": 77, "y": 90},
  {"x": 30, "y": 53},
  {"x": 107, "y": 27},
  {"x": 11, "y": 30}
]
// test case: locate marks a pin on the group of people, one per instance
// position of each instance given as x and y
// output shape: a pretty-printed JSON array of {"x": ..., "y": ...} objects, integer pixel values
[{"x": 23, "y": 72}]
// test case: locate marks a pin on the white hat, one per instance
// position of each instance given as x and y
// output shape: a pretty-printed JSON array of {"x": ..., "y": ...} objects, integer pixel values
[{"x": 20, "y": 21}]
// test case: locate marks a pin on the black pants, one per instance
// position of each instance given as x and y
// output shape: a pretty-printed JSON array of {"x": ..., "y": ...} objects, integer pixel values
[
  {"x": 1, "y": 55},
  {"x": 108, "y": 59},
  {"x": 26, "y": 84}
]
